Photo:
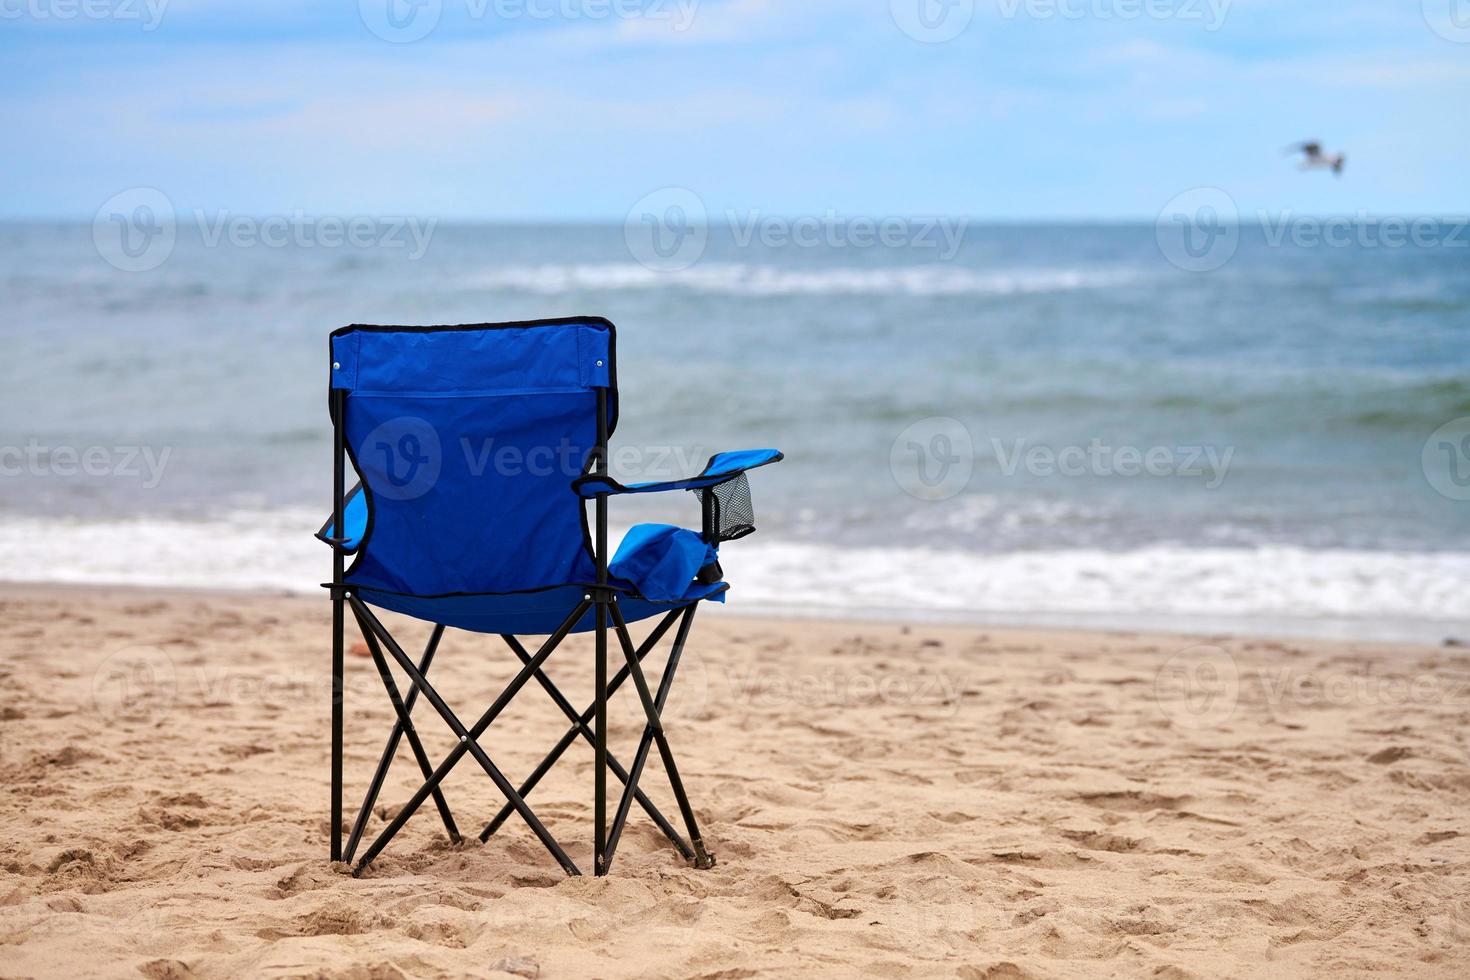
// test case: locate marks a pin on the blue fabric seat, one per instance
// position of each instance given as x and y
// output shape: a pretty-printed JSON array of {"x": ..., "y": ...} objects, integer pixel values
[
  {"x": 649, "y": 569},
  {"x": 526, "y": 613}
]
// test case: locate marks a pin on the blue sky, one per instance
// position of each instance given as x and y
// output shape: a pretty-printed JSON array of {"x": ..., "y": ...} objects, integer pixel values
[{"x": 549, "y": 109}]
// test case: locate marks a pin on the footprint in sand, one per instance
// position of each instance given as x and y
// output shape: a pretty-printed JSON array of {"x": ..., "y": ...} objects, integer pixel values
[{"x": 1131, "y": 801}]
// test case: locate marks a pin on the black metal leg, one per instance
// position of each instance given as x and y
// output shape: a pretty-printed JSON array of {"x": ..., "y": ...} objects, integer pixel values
[
  {"x": 403, "y": 727},
  {"x": 640, "y": 758},
  {"x": 339, "y": 442},
  {"x": 604, "y": 599},
  {"x": 525, "y": 788},
  {"x": 599, "y": 778},
  {"x": 702, "y": 859},
  {"x": 468, "y": 738},
  {"x": 579, "y": 726},
  {"x": 337, "y": 687}
]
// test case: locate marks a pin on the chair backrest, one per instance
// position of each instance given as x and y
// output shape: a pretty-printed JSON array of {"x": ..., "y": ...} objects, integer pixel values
[{"x": 467, "y": 439}]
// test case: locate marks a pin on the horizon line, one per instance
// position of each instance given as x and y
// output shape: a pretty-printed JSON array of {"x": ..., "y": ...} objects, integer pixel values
[{"x": 831, "y": 214}]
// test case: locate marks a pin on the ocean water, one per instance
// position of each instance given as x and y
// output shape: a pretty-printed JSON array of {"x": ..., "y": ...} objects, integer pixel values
[{"x": 1050, "y": 425}]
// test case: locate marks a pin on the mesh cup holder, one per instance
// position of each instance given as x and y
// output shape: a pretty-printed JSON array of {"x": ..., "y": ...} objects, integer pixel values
[{"x": 727, "y": 509}]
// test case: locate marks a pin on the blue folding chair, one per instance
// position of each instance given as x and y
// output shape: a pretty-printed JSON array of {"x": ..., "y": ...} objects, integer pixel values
[{"x": 476, "y": 448}]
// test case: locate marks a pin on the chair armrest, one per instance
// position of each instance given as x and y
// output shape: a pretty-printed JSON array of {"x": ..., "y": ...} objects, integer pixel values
[
  {"x": 354, "y": 521},
  {"x": 720, "y": 468}
]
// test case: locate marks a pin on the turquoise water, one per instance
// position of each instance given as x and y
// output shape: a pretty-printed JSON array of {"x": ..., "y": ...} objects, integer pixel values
[{"x": 1312, "y": 376}]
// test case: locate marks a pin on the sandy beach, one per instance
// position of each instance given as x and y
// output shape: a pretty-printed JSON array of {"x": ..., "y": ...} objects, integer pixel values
[{"x": 884, "y": 800}]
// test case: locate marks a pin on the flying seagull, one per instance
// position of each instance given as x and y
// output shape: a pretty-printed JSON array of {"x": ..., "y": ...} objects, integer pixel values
[{"x": 1314, "y": 159}]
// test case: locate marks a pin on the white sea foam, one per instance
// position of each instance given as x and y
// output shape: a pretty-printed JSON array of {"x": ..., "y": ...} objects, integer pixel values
[
  {"x": 1278, "y": 589},
  {"x": 760, "y": 280}
]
